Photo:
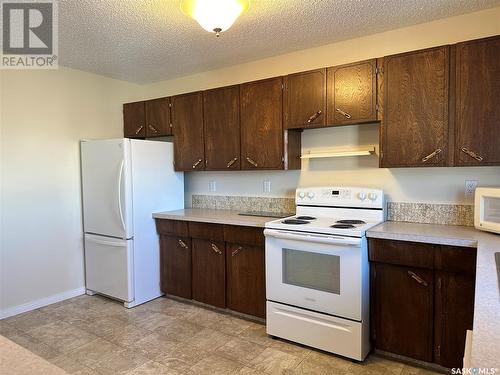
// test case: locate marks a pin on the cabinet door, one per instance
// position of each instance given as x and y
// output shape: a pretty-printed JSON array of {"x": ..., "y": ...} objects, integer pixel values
[
  {"x": 402, "y": 311},
  {"x": 221, "y": 121},
  {"x": 158, "y": 117},
  {"x": 477, "y": 102},
  {"x": 352, "y": 93},
  {"x": 175, "y": 265},
  {"x": 246, "y": 285},
  {"x": 209, "y": 272},
  {"x": 134, "y": 120},
  {"x": 305, "y": 99},
  {"x": 454, "y": 316},
  {"x": 187, "y": 122},
  {"x": 414, "y": 131},
  {"x": 261, "y": 124}
]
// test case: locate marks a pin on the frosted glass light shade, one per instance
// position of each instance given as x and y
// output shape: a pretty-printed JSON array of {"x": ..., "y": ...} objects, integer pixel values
[{"x": 214, "y": 15}]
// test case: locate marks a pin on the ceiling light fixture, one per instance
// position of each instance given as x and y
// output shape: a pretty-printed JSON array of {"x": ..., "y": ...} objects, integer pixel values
[{"x": 214, "y": 15}]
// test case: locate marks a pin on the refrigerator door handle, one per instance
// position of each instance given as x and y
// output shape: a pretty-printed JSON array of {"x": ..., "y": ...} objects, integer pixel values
[
  {"x": 104, "y": 242},
  {"x": 120, "y": 209}
]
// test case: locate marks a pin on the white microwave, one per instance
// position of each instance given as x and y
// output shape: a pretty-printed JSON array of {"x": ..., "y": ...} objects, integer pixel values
[{"x": 487, "y": 209}]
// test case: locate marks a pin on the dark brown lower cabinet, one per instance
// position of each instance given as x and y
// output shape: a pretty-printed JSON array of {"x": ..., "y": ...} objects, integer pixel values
[
  {"x": 246, "y": 279},
  {"x": 219, "y": 265},
  {"x": 420, "y": 308},
  {"x": 175, "y": 265},
  {"x": 209, "y": 272},
  {"x": 454, "y": 316},
  {"x": 403, "y": 310}
]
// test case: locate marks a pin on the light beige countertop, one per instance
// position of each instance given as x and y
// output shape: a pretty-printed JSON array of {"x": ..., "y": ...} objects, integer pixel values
[
  {"x": 486, "y": 329},
  {"x": 205, "y": 215}
]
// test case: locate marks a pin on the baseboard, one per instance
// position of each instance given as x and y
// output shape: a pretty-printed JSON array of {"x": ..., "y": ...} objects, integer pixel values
[{"x": 11, "y": 311}]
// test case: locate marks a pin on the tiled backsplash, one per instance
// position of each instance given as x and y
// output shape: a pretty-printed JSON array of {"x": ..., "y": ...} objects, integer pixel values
[
  {"x": 430, "y": 213},
  {"x": 241, "y": 203}
]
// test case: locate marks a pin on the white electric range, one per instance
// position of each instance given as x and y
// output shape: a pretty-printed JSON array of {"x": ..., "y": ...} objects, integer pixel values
[{"x": 317, "y": 273}]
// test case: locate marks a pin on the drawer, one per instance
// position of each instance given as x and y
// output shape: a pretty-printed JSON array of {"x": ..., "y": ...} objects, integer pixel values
[
  {"x": 402, "y": 253},
  {"x": 175, "y": 227},
  {"x": 206, "y": 231},
  {"x": 244, "y": 235},
  {"x": 456, "y": 259}
]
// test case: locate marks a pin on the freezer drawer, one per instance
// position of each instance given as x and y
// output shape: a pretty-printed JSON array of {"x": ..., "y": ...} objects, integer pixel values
[
  {"x": 109, "y": 266},
  {"x": 332, "y": 334}
]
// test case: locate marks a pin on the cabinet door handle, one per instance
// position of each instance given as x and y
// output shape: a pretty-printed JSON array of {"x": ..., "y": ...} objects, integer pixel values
[
  {"x": 138, "y": 130},
  {"x": 414, "y": 276},
  {"x": 345, "y": 114},
  {"x": 183, "y": 244},
  {"x": 235, "y": 252},
  {"x": 253, "y": 162},
  {"x": 472, "y": 154},
  {"x": 314, "y": 117},
  {"x": 431, "y": 155},
  {"x": 216, "y": 249},
  {"x": 153, "y": 128},
  {"x": 231, "y": 162},
  {"x": 197, "y": 163}
]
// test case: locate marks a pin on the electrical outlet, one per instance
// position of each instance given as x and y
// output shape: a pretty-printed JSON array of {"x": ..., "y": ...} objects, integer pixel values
[
  {"x": 470, "y": 187},
  {"x": 212, "y": 186},
  {"x": 267, "y": 186}
]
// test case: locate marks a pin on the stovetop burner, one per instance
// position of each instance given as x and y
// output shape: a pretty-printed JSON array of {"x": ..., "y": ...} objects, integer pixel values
[
  {"x": 305, "y": 218},
  {"x": 348, "y": 221},
  {"x": 342, "y": 226},
  {"x": 294, "y": 221}
]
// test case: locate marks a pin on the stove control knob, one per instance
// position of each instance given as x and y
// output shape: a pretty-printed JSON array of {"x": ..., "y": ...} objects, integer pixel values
[
  {"x": 310, "y": 195},
  {"x": 372, "y": 196},
  {"x": 302, "y": 195},
  {"x": 362, "y": 196}
]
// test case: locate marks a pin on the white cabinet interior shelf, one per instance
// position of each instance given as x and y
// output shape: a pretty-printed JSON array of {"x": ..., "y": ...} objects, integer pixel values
[{"x": 334, "y": 153}]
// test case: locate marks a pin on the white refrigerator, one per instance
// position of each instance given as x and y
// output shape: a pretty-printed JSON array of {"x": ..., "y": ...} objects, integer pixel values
[{"x": 123, "y": 182}]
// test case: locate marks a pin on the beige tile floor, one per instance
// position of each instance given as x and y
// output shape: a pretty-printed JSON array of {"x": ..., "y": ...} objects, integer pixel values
[{"x": 94, "y": 335}]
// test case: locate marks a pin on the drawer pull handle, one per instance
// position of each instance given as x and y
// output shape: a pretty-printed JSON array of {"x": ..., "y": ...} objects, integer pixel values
[
  {"x": 216, "y": 249},
  {"x": 314, "y": 117},
  {"x": 231, "y": 162},
  {"x": 151, "y": 127},
  {"x": 235, "y": 252},
  {"x": 138, "y": 130},
  {"x": 183, "y": 244},
  {"x": 253, "y": 162},
  {"x": 345, "y": 114},
  {"x": 197, "y": 163},
  {"x": 417, "y": 278},
  {"x": 472, "y": 154},
  {"x": 431, "y": 155}
]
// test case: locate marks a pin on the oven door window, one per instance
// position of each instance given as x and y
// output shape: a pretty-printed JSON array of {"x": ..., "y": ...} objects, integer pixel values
[{"x": 311, "y": 270}]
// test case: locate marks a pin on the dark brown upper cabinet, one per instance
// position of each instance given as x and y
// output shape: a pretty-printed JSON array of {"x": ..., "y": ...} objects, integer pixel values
[
  {"x": 477, "y": 109},
  {"x": 304, "y": 104},
  {"x": 352, "y": 93},
  {"x": 261, "y": 124},
  {"x": 221, "y": 121},
  {"x": 150, "y": 118},
  {"x": 187, "y": 121},
  {"x": 158, "y": 117},
  {"x": 414, "y": 130},
  {"x": 134, "y": 120}
]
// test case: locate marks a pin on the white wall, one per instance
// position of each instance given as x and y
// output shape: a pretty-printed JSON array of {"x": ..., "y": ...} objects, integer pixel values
[
  {"x": 44, "y": 114},
  {"x": 444, "y": 185}
]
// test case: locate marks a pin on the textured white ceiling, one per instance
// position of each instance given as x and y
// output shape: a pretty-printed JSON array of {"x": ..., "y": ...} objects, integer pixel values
[{"x": 151, "y": 40}]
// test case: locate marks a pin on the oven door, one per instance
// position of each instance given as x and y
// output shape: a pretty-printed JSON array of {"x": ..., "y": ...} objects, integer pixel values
[{"x": 317, "y": 272}]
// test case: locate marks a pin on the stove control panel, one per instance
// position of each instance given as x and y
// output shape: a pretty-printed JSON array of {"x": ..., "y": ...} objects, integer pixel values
[{"x": 340, "y": 196}]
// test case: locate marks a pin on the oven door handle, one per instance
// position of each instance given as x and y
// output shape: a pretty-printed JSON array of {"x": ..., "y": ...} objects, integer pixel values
[{"x": 312, "y": 237}]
